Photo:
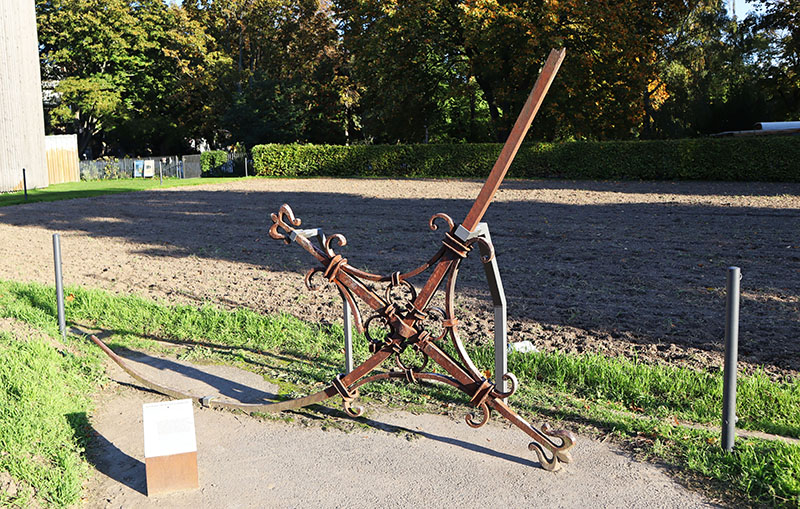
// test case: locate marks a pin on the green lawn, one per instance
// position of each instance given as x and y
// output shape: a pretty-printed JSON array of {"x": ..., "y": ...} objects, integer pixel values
[
  {"x": 634, "y": 402},
  {"x": 85, "y": 189}
]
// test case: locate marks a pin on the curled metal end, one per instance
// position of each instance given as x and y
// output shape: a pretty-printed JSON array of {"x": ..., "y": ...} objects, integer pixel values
[
  {"x": 347, "y": 402},
  {"x": 488, "y": 248},
  {"x": 309, "y": 279},
  {"x": 567, "y": 441},
  {"x": 512, "y": 380},
  {"x": 280, "y": 221},
  {"x": 549, "y": 464},
  {"x": 473, "y": 422},
  {"x": 339, "y": 238},
  {"x": 353, "y": 411},
  {"x": 441, "y": 215},
  {"x": 559, "y": 453}
]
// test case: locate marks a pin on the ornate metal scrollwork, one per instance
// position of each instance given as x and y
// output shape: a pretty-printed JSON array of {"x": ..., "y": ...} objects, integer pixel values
[
  {"x": 559, "y": 453},
  {"x": 443, "y": 216},
  {"x": 375, "y": 344},
  {"x": 477, "y": 423},
  {"x": 488, "y": 245},
  {"x": 406, "y": 324},
  {"x": 405, "y": 316},
  {"x": 512, "y": 380},
  {"x": 406, "y": 293},
  {"x": 309, "y": 278},
  {"x": 279, "y": 220},
  {"x": 339, "y": 238}
]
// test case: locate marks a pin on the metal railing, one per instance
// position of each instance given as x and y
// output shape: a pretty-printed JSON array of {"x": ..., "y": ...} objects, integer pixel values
[
  {"x": 187, "y": 166},
  {"x": 98, "y": 169}
]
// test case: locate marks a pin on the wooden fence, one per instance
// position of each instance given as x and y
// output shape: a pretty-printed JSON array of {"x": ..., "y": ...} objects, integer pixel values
[{"x": 62, "y": 158}]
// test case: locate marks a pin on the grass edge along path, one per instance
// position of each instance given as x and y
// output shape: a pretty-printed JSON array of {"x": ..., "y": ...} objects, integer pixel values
[
  {"x": 632, "y": 401},
  {"x": 89, "y": 188},
  {"x": 45, "y": 399}
]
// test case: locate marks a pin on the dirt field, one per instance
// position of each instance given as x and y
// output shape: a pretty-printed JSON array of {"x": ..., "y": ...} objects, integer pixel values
[{"x": 623, "y": 268}]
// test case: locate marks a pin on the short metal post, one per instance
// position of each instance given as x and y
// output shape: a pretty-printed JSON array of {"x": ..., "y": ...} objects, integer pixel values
[
  {"x": 245, "y": 165},
  {"x": 25, "y": 183},
  {"x": 62, "y": 325},
  {"x": 731, "y": 355},
  {"x": 348, "y": 337},
  {"x": 160, "y": 175}
]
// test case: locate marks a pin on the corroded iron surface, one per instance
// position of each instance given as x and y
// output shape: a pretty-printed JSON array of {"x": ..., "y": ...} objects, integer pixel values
[{"x": 406, "y": 315}]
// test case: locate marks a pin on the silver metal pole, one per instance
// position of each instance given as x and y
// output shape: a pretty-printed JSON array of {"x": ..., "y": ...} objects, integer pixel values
[
  {"x": 731, "y": 355},
  {"x": 245, "y": 165},
  {"x": 62, "y": 325},
  {"x": 160, "y": 175},
  {"x": 492, "y": 270},
  {"x": 348, "y": 337}
]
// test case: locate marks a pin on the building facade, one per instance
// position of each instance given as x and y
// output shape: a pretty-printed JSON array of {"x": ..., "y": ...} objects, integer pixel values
[{"x": 21, "y": 112}]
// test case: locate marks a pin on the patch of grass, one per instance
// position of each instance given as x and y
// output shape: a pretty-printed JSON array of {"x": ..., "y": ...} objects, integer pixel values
[
  {"x": 44, "y": 399},
  {"x": 663, "y": 390},
  {"x": 86, "y": 189},
  {"x": 633, "y": 401}
]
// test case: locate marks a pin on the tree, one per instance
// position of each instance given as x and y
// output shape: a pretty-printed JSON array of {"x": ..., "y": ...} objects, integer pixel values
[
  {"x": 84, "y": 45},
  {"x": 780, "y": 22},
  {"x": 424, "y": 49},
  {"x": 286, "y": 83},
  {"x": 129, "y": 73}
]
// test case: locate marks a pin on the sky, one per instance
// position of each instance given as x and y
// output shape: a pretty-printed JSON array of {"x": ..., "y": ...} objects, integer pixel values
[{"x": 743, "y": 8}]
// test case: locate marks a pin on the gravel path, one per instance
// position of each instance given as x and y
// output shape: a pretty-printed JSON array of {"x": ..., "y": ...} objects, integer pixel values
[
  {"x": 395, "y": 459},
  {"x": 623, "y": 268}
]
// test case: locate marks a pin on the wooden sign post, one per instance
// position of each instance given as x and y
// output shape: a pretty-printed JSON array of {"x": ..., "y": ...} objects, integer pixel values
[{"x": 170, "y": 446}]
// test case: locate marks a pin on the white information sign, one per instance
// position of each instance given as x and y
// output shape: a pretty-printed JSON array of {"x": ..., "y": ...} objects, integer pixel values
[
  {"x": 149, "y": 168},
  {"x": 168, "y": 428}
]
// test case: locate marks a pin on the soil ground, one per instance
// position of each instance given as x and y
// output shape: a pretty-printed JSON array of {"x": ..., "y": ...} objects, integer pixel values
[
  {"x": 621, "y": 268},
  {"x": 389, "y": 458}
]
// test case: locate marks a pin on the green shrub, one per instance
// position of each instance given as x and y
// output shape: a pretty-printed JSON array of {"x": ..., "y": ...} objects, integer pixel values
[
  {"x": 761, "y": 158},
  {"x": 212, "y": 162}
]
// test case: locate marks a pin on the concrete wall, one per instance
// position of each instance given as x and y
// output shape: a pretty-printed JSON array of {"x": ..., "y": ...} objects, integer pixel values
[{"x": 21, "y": 113}]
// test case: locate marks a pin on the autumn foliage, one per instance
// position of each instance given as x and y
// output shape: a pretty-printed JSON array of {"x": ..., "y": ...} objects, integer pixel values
[{"x": 152, "y": 76}]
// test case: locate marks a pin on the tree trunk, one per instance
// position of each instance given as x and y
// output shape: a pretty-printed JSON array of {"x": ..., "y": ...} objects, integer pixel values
[{"x": 488, "y": 94}]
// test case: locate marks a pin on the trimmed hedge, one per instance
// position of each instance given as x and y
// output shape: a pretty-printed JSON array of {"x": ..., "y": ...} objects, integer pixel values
[
  {"x": 758, "y": 158},
  {"x": 212, "y": 161}
]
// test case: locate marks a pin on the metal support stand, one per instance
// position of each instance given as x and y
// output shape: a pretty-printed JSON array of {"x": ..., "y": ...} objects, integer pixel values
[
  {"x": 500, "y": 311},
  {"x": 347, "y": 313},
  {"x": 731, "y": 354},
  {"x": 348, "y": 336},
  {"x": 62, "y": 325}
]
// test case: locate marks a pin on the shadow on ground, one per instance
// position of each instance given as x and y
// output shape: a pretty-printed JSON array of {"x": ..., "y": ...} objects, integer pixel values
[
  {"x": 106, "y": 457},
  {"x": 632, "y": 278}
]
